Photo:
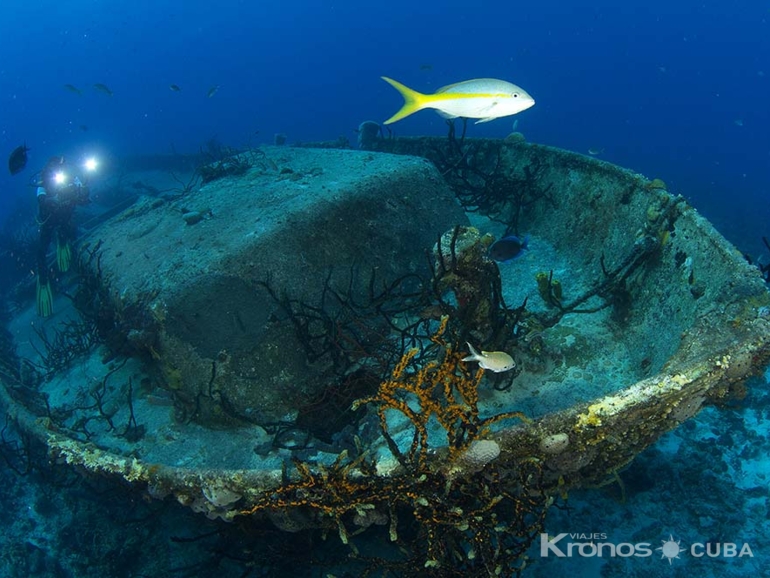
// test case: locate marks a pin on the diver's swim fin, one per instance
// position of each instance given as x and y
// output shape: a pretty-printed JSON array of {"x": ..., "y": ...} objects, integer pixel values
[
  {"x": 44, "y": 299},
  {"x": 63, "y": 255}
]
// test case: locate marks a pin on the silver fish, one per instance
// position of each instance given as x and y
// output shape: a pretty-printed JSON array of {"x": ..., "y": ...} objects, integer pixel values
[{"x": 497, "y": 361}]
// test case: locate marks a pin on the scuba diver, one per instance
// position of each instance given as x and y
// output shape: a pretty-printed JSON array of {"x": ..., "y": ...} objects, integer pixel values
[{"x": 58, "y": 193}]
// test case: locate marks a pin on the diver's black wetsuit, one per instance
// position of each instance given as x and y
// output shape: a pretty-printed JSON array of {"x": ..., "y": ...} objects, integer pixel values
[{"x": 56, "y": 204}]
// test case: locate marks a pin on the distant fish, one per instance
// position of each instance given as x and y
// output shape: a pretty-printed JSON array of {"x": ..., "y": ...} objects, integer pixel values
[
  {"x": 426, "y": 67},
  {"x": 369, "y": 133},
  {"x": 103, "y": 88},
  {"x": 73, "y": 89},
  {"x": 174, "y": 87},
  {"x": 212, "y": 91},
  {"x": 84, "y": 128},
  {"x": 18, "y": 159},
  {"x": 594, "y": 152},
  {"x": 482, "y": 98},
  {"x": 497, "y": 361},
  {"x": 508, "y": 248},
  {"x": 738, "y": 122}
]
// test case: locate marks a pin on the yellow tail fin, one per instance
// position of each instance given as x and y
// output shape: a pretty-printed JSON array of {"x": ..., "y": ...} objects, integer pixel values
[{"x": 413, "y": 100}]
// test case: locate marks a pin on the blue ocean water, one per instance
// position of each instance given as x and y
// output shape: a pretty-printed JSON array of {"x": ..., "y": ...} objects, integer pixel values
[
  {"x": 673, "y": 89},
  {"x": 676, "y": 90}
]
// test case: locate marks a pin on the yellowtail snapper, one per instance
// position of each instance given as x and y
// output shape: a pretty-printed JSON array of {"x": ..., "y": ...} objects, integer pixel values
[{"x": 482, "y": 98}]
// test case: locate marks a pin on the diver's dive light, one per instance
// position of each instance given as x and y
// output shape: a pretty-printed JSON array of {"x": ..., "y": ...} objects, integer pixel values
[
  {"x": 59, "y": 178},
  {"x": 91, "y": 164}
]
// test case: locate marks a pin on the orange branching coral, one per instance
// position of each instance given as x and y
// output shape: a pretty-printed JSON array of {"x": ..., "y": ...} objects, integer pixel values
[
  {"x": 468, "y": 525},
  {"x": 331, "y": 491},
  {"x": 445, "y": 391}
]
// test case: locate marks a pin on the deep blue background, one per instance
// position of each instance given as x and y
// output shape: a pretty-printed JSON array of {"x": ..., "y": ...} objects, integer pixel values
[{"x": 661, "y": 86}]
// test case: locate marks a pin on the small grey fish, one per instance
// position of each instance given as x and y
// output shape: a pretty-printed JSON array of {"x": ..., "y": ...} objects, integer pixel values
[
  {"x": 508, "y": 248},
  {"x": 18, "y": 159},
  {"x": 497, "y": 361},
  {"x": 103, "y": 88},
  {"x": 73, "y": 89},
  {"x": 212, "y": 91},
  {"x": 174, "y": 87}
]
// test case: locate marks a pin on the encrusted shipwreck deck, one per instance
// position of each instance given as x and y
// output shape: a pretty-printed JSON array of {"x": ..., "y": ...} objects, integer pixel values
[
  {"x": 203, "y": 280},
  {"x": 255, "y": 311}
]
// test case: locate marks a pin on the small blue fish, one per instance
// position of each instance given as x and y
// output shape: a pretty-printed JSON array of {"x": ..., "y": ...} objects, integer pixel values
[{"x": 508, "y": 248}]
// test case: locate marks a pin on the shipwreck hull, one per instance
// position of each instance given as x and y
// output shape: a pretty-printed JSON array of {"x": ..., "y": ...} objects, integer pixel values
[{"x": 654, "y": 315}]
